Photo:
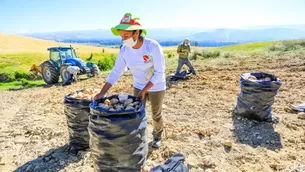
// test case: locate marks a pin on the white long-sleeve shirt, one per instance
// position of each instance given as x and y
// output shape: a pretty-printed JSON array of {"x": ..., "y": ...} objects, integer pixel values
[
  {"x": 146, "y": 64},
  {"x": 73, "y": 70}
]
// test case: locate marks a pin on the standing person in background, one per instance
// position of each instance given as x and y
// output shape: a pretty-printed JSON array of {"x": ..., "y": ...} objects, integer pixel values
[{"x": 183, "y": 50}]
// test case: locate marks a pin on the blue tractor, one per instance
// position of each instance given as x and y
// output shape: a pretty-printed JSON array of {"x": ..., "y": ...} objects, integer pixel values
[{"x": 60, "y": 59}]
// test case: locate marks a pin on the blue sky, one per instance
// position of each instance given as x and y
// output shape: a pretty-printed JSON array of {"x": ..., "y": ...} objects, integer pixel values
[{"x": 22, "y": 16}]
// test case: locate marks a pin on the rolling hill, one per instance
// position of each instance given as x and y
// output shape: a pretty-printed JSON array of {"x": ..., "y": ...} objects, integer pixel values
[
  {"x": 177, "y": 34},
  {"x": 13, "y": 44},
  {"x": 269, "y": 34}
]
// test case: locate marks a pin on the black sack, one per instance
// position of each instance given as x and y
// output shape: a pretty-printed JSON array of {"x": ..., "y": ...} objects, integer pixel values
[
  {"x": 173, "y": 164},
  {"x": 77, "y": 112},
  {"x": 172, "y": 79},
  {"x": 256, "y": 97},
  {"x": 118, "y": 140},
  {"x": 300, "y": 107},
  {"x": 182, "y": 75}
]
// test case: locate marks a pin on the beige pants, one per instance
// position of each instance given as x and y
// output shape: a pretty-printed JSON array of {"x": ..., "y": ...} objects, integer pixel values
[{"x": 156, "y": 100}]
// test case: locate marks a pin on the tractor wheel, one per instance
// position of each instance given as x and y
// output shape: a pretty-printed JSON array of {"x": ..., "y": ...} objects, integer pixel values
[
  {"x": 95, "y": 71},
  {"x": 64, "y": 73},
  {"x": 49, "y": 73}
]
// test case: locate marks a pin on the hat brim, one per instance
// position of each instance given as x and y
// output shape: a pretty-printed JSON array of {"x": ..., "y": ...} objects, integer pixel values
[{"x": 116, "y": 30}]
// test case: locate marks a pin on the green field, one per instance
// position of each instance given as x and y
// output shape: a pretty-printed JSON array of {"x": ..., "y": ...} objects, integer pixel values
[
  {"x": 16, "y": 66},
  {"x": 21, "y": 84},
  {"x": 248, "y": 47}
]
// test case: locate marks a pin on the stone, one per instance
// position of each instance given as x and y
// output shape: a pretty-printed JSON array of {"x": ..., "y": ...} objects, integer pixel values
[
  {"x": 103, "y": 106},
  {"x": 114, "y": 101},
  {"x": 129, "y": 108},
  {"x": 29, "y": 168},
  {"x": 46, "y": 158},
  {"x": 128, "y": 102},
  {"x": 185, "y": 133},
  {"x": 228, "y": 143},
  {"x": 73, "y": 158},
  {"x": 259, "y": 137},
  {"x": 301, "y": 116},
  {"x": 208, "y": 162},
  {"x": 135, "y": 103},
  {"x": 49, "y": 152},
  {"x": 62, "y": 163},
  {"x": 52, "y": 161}
]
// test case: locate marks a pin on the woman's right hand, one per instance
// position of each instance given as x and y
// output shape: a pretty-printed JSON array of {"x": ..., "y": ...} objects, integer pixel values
[
  {"x": 99, "y": 96},
  {"x": 103, "y": 91}
]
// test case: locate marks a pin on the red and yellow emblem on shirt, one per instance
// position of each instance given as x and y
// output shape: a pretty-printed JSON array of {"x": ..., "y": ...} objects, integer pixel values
[{"x": 147, "y": 58}]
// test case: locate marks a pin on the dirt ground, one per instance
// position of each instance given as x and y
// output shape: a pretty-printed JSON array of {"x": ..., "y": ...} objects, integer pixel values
[{"x": 198, "y": 122}]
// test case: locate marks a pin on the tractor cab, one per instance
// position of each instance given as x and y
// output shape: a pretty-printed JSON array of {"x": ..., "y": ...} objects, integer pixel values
[{"x": 60, "y": 55}]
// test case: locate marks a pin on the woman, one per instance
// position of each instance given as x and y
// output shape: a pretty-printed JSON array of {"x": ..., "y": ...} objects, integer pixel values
[{"x": 144, "y": 57}]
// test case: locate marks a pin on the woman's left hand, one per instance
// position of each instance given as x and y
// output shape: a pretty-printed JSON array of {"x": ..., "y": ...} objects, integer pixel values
[{"x": 141, "y": 95}]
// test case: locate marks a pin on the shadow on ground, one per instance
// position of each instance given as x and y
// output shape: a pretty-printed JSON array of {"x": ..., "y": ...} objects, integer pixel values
[
  {"x": 255, "y": 133},
  {"x": 34, "y": 86},
  {"x": 52, "y": 161}
]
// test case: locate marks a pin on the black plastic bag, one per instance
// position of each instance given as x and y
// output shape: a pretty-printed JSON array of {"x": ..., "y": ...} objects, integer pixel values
[
  {"x": 300, "y": 107},
  {"x": 77, "y": 112},
  {"x": 172, "y": 79},
  {"x": 256, "y": 97},
  {"x": 182, "y": 75},
  {"x": 173, "y": 164},
  {"x": 118, "y": 140}
]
